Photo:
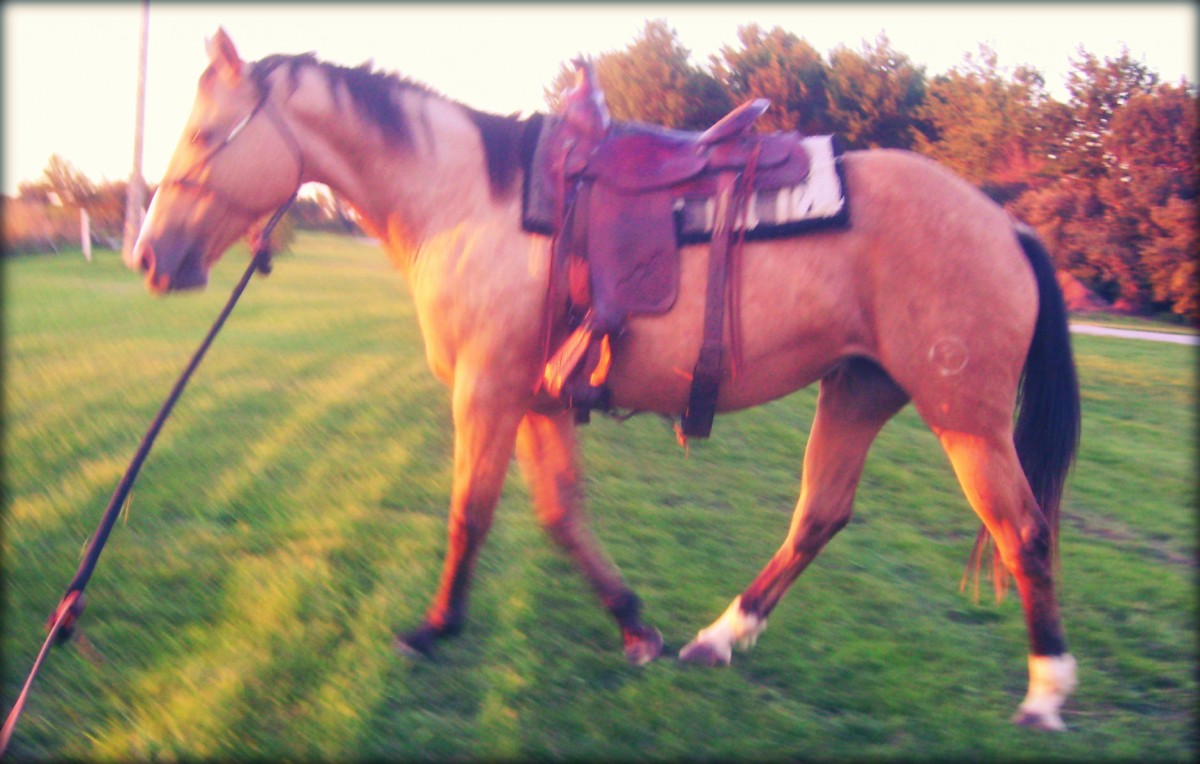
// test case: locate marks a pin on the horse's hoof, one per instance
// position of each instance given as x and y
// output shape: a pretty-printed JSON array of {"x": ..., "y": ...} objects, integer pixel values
[
  {"x": 416, "y": 644},
  {"x": 703, "y": 654},
  {"x": 1047, "y": 721},
  {"x": 1051, "y": 679},
  {"x": 643, "y": 645}
]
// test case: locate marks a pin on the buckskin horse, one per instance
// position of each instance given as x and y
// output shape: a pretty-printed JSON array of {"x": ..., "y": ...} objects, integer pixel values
[{"x": 931, "y": 294}]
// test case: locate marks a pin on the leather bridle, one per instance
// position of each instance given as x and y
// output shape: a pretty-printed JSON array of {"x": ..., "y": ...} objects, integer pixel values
[{"x": 264, "y": 106}]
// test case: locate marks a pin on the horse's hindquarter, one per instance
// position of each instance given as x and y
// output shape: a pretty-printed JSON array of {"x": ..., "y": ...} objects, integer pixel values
[
  {"x": 928, "y": 281},
  {"x": 953, "y": 295}
]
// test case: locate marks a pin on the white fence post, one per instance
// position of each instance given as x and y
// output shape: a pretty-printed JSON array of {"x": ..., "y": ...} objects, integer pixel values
[
  {"x": 85, "y": 233},
  {"x": 135, "y": 196}
]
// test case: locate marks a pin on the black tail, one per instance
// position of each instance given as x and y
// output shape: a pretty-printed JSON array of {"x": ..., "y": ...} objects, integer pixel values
[{"x": 1047, "y": 429}]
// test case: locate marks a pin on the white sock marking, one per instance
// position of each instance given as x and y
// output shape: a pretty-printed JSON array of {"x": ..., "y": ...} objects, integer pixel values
[
  {"x": 733, "y": 627},
  {"x": 1051, "y": 680}
]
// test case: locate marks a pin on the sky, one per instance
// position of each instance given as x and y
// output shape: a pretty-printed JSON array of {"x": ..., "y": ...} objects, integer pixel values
[{"x": 70, "y": 69}]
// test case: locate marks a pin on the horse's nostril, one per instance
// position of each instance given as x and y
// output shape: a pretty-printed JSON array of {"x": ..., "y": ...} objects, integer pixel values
[{"x": 145, "y": 262}]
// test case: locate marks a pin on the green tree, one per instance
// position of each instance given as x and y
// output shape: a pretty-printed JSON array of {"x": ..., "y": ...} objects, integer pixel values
[
  {"x": 1150, "y": 192},
  {"x": 61, "y": 178},
  {"x": 874, "y": 96},
  {"x": 653, "y": 81},
  {"x": 987, "y": 124},
  {"x": 779, "y": 66},
  {"x": 1121, "y": 213},
  {"x": 1097, "y": 89},
  {"x": 107, "y": 209}
]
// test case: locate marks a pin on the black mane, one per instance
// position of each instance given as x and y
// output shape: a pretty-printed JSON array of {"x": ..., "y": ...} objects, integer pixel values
[{"x": 507, "y": 141}]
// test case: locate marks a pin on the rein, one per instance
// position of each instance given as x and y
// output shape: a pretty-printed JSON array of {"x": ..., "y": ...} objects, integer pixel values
[{"x": 61, "y": 624}]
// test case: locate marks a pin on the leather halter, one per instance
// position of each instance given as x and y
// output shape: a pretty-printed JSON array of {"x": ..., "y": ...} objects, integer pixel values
[{"x": 187, "y": 180}]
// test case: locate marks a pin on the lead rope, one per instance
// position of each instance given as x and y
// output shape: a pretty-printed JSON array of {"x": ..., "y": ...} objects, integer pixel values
[{"x": 62, "y": 622}]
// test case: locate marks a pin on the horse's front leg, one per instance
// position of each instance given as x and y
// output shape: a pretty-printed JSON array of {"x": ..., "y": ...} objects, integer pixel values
[
  {"x": 485, "y": 428},
  {"x": 548, "y": 453}
]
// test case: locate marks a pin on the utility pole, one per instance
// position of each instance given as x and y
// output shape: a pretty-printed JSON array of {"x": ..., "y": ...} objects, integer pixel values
[{"x": 135, "y": 195}]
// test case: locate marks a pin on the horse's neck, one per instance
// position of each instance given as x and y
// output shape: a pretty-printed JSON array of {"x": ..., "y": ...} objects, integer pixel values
[{"x": 404, "y": 194}]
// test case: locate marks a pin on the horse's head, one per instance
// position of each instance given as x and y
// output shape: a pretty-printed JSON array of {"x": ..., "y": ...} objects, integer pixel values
[{"x": 236, "y": 161}]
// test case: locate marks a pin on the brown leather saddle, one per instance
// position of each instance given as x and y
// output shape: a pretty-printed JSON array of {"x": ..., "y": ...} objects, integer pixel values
[{"x": 613, "y": 196}]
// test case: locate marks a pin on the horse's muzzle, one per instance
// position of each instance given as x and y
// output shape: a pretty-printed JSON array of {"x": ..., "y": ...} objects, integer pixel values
[{"x": 189, "y": 274}]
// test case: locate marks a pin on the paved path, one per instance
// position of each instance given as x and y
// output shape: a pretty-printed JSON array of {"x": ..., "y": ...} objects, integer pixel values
[{"x": 1107, "y": 331}]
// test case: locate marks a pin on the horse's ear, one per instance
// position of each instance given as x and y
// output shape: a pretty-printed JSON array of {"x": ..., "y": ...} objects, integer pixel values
[
  {"x": 223, "y": 55},
  {"x": 585, "y": 74}
]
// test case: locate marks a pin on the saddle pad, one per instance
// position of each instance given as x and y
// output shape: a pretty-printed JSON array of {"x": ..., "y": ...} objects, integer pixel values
[
  {"x": 541, "y": 183},
  {"x": 819, "y": 201}
]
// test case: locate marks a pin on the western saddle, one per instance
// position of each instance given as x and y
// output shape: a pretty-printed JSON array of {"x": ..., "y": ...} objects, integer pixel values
[{"x": 617, "y": 197}]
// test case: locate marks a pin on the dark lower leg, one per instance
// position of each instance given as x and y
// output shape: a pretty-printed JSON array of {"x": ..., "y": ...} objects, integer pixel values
[
  {"x": 1035, "y": 584},
  {"x": 484, "y": 437},
  {"x": 801, "y": 548},
  {"x": 548, "y": 454},
  {"x": 1051, "y": 667},
  {"x": 446, "y": 615},
  {"x": 993, "y": 480},
  {"x": 447, "y": 612}
]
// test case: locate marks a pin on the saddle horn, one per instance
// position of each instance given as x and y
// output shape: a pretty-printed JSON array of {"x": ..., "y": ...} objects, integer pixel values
[{"x": 584, "y": 105}]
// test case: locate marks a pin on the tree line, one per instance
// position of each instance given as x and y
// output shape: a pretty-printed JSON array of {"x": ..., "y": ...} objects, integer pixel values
[{"x": 1108, "y": 178}]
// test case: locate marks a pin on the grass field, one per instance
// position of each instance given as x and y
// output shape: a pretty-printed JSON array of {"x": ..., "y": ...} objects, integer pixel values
[{"x": 291, "y": 518}]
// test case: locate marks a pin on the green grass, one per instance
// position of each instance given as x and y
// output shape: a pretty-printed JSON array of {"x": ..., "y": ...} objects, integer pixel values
[{"x": 291, "y": 518}]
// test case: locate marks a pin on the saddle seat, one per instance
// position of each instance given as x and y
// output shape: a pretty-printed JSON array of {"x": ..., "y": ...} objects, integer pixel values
[{"x": 639, "y": 157}]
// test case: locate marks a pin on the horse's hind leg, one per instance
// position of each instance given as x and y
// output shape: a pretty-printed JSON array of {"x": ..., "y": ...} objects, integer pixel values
[
  {"x": 484, "y": 437},
  {"x": 547, "y": 450},
  {"x": 991, "y": 475},
  {"x": 855, "y": 401}
]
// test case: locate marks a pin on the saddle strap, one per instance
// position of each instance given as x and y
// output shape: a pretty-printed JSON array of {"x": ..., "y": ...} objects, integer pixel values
[
  {"x": 733, "y": 189},
  {"x": 547, "y": 331},
  {"x": 697, "y": 419}
]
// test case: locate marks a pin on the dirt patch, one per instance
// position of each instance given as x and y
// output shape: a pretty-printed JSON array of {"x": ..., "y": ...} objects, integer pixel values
[{"x": 1110, "y": 530}]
